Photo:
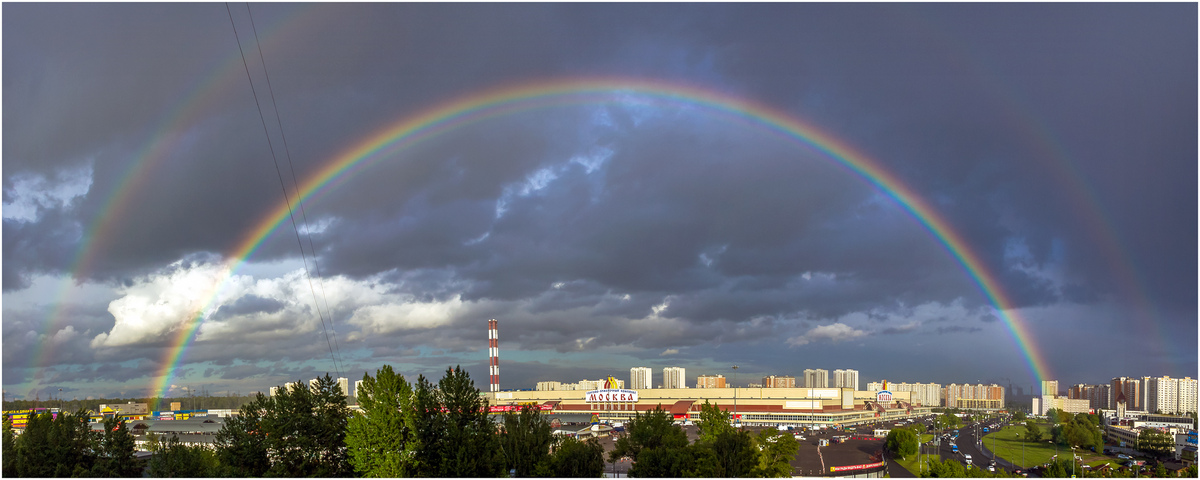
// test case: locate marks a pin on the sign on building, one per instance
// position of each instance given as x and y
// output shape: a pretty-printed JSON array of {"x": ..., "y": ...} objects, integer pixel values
[
  {"x": 883, "y": 396},
  {"x": 611, "y": 395}
]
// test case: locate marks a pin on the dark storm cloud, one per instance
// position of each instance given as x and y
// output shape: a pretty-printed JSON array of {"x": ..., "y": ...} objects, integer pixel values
[
  {"x": 1057, "y": 140},
  {"x": 247, "y": 305}
]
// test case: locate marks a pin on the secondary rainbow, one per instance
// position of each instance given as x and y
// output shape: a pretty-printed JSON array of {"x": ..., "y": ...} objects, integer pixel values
[
  {"x": 163, "y": 138},
  {"x": 510, "y": 99}
]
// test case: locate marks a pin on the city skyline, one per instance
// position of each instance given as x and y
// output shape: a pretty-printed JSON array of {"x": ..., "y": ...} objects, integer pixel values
[{"x": 911, "y": 191}]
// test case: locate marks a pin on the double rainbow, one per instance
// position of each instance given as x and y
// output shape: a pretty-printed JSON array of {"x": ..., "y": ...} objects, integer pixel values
[{"x": 523, "y": 97}]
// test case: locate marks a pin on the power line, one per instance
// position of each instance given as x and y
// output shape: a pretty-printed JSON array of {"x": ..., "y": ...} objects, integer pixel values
[
  {"x": 279, "y": 174},
  {"x": 299, "y": 198}
]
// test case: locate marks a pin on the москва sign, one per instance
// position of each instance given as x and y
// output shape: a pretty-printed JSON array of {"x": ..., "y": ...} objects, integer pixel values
[{"x": 611, "y": 395}]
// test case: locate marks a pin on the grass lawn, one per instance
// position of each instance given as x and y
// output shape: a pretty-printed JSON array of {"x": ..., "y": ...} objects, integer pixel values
[
  {"x": 1008, "y": 442},
  {"x": 910, "y": 462}
]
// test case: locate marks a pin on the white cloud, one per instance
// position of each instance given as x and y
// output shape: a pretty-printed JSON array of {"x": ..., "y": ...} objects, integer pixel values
[
  {"x": 837, "y": 332},
  {"x": 30, "y": 193},
  {"x": 669, "y": 351},
  {"x": 159, "y": 304}
]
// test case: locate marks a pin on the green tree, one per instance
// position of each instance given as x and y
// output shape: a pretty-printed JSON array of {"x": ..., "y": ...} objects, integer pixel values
[
  {"x": 713, "y": 422},
  {"x": 1155, "y": 443},
  {"x": 775, "y": 453},
  {"x": 241, "y": 444},
  {"x": 9, "y": 454},
  {"x": 114, "y": 451},
  {"x": 174, "y": 459},
  {"x": 1019, "y": 416},
  {"x": 1032, "y": 431},
  {"x": 901, "y": 441},
  {"x": 451, "y": 424},
  {"x": 305, "y": 430},
  {"x": 573, "y": 458},
  {"x": 736, "y": 454},
  {"x": 658, "y": 447},
  {"x": 1052, "y": 415},
  {"x": 526, "y": 440},
  {"x": 61, "y": 446},
  {"x": 381, "y": 441}
]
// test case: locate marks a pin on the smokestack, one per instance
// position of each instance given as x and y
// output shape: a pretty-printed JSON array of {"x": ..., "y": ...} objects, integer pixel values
[{"x": 493, "y": 355}]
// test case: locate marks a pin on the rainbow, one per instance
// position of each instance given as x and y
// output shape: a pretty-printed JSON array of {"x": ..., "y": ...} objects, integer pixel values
[
  {"x": 161, "y": 142},
  {"x": 512, "y": 99}
]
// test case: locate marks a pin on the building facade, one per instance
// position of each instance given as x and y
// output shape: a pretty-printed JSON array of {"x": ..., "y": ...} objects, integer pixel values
[
  {"x": 845, "y": 378},
  {"x": 1171, "y": 395},
  {"x": 1132, "y": 387},
  {"x": 674, "y": 377},
  {"x": 774, "y": 381},
  {"x": 710, "y": 381},
  {"x": 641, "y": 378},
  {"x": 757, "y": 406},
  {"x": 979, "y": 396},
  {"x": 1050, "y": 387},
  {"x": 816, "y": 378},
  {"x": 924, "y": 394}
]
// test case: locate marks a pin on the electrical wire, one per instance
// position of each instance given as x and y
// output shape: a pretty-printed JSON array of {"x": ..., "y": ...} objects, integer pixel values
[
  {"x": 279, "y": 173},
  {"x": 296, "y": 188}
]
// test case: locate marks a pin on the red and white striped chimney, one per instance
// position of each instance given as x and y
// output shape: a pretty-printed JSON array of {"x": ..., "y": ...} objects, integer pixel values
[{"x": 494, "y": 355}]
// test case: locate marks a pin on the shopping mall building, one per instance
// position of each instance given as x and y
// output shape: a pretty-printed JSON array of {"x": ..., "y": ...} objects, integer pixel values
[{"x": 765, "y": 406}]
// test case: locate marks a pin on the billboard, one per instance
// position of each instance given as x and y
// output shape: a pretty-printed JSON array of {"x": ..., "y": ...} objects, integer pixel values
[
  {"x": 611, "y": 395},
  {"x": 850, "y": 468},
  {"x": 883, "y": 396}
]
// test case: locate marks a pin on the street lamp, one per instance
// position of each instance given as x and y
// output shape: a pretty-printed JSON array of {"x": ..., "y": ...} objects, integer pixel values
[{"x": 735, "y": 418}]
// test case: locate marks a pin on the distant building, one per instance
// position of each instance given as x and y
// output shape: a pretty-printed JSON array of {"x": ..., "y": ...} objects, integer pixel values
[
  {"x": 924, "y": 394},
  {"x": 1171, "y": 395},
  {"x": 344, "y": 384},
  {"x": 1132, "y": 387},
  {"x": 674, "y": 377},
  {"x": 357, "y": 388},
  {"x": 816, "y": 378},
  {"x": 130, "y": 408},
  {"x": 845, "y": 378},
  {"x": 977, "y": 396},
  {"x": 1050, "y": 387},
  {"x": 548, "y": 386},
  {"x": 779, "y": 382},
  {"x": 1042, "y": 405},
  {"x": 641, "y": 378},
  {"x": 710, "y": 381}
]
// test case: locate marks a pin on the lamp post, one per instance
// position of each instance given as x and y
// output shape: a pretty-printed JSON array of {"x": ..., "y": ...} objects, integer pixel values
[{"x": 735, "y": 417}]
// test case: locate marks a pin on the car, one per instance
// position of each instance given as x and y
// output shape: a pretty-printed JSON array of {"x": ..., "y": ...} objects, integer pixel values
[
  {"x": 991, "y": 468},
  {"x": 1123, "y": 456}
]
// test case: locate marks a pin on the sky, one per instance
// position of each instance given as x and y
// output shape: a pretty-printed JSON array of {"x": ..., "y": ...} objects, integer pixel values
[{"x": 1029, "y": 210}]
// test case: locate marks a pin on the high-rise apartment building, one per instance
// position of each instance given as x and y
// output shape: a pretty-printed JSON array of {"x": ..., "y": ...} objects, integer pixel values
[
  {"x": 1050, "y": 387},
  {"x": 543, "y": 386},
  {"x": 816, "y": 378},
  {"x": 1172, "y": 395},
  {"x": 974, "y": 396},
  {"x": 924, "y": 394},
  {"x": 674, "y": 377},
  {"x": 710, "y": 381},
  {"x": 344, "y": 384},
  {"x": 1132, "y": 387},
  {"x": 641, "y": 378},
  {"x": 845, "y": 378},
  {"x": 774, "y": 381},
  {"x": 357, "y": 388}
]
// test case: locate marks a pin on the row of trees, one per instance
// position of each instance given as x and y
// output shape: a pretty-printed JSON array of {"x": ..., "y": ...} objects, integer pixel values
[
  {"x": 405, "y": 430},
  {"x": 201, "y": 401},
  {"x": 659, "y": 448},
  {"x": 66, "y": 446}
]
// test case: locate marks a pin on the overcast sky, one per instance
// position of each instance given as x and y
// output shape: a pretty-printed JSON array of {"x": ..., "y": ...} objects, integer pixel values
[{"x": 1059, "y": 141}]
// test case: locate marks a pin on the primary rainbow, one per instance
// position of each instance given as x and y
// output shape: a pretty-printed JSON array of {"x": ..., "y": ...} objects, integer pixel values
[{"x": 506, "y": 100}]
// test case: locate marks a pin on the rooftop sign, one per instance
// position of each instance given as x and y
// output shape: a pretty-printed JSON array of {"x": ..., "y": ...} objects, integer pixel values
[
  {"x": 610, "y": 395},
  {"x": 883, "y": 396}
]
